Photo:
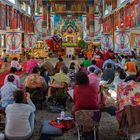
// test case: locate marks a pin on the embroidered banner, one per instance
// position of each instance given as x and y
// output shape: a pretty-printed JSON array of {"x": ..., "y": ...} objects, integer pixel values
[
  {"x": 122, "y": 42},
  {"x": 30, "y": 41},
  {"x": 107, "y": 41},
  {"x": 13, "y": 42}
]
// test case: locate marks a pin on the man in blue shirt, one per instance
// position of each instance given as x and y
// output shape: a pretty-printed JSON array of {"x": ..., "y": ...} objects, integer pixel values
[
  {"x": 97, "y": 70},
  {"x": 109, "y": 60}
]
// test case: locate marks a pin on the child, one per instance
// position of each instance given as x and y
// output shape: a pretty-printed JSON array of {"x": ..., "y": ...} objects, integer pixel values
[{"x": 15, "y": 64}]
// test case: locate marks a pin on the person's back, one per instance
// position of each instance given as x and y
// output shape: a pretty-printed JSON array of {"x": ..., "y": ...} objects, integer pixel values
[
  {"x": 131, "y": 68},
  {"x": 109, "y": 61},
  {"x": 59, "y": 64},
  {"x": 85, "y": 97},
  {"x": 7, "y": 91},
  {"x": 18, "y": 114},
  {"x": 108, "y": 74},
  {"x": 86, "y": 62},
  {"x": 17, "y": 79},
  {"x": 85, "y": 94},
  {"x": 35, "y": 80},
  {"x": 61, "y": 77},
  {"x": 100, "y": 63},
  {"x": 31, "y": 64}
]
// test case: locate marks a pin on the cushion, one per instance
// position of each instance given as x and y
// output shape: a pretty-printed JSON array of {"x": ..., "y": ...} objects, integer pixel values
[{"x": 50, "y": 130}]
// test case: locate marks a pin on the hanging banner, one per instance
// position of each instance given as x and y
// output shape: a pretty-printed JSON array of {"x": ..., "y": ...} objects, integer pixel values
[
  {"x": 97, "y": 27},
  {"x": 107, "y": 41},
  {"x": 2, "y": 16},
  {"x": 13, "y": 42},
  {"x": 136, "y": 41},
  {"x": 138, "y": 13},
  {"x": 30, "y": 41},
  {"x": 41, "y": 33},
  {"x": 122, "y": 42},
  {"x": 84, "y": 26}
]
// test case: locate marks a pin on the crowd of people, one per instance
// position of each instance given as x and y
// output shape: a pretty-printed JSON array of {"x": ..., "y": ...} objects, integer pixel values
[{"x": 88, "y": 79}]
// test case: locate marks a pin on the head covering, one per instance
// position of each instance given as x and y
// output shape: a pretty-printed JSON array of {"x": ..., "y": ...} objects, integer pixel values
[{"x": 11, "y": 78}]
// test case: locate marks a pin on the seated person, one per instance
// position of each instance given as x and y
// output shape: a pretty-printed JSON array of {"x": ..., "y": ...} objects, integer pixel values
[
  {"x": 59, "y": 86},
  {"x": 131, "y": 68},
  {"x": 35, "y": 83},
  {"x": 31, "y": 64},
  {"x": 93, "y": 77},
  {"x": 85, "y": 94},
  {"x": 86, "y": 62},
  {"x": 17, "y": 79},
  {"x": 59, "y": 64},
  {"x": 94, "y": 66},
  {"x": 61, "y": 77},
  {"x": 44, "y": 74},
  {"x": 48, "y": 66},
  {"x": 15, "y": 64},
  {"x": 72, "y": 72},
  {"x": 20, "y": 117},
  {"x": 108, "y": 74},
  {"x": 7, "y": 90}
]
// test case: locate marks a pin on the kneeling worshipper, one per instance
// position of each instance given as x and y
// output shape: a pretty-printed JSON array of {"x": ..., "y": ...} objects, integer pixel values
[
  {"x": 6, "y": 92},
  {"x": 60, "y": 80},
  {"x": 15, "y": 64},
  {"x": 31, "y": 64},
  {"x": 20, "y": 117},
  {"x": 34, "y": 84},
  {"x": 17, "y": 78}
]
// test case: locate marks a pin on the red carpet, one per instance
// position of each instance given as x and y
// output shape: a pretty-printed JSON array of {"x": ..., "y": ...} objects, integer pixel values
[{"x": 2, "y": 75}]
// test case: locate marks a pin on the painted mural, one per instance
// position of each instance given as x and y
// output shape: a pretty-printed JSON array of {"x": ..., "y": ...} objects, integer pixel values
[
  {"x": 122, "y": 42},
  {"x": 107, "y": 41},
  {"x": 13, "y": 42}
]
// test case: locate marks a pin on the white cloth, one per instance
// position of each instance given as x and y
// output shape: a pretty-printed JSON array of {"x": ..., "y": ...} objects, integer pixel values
[{"x": 17, "y": 116}]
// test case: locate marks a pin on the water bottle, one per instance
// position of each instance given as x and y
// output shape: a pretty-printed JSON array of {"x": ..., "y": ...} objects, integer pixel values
[{"x": 62, "y": 115}]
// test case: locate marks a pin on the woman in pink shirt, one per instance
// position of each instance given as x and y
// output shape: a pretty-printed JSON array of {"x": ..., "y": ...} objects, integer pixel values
[{"x": 31, "y": 64}]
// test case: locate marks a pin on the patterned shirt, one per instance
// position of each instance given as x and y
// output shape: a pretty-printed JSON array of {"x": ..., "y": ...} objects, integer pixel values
[
  {"x": 35, "y": 81},
  {"x": 7, "y": 91}
]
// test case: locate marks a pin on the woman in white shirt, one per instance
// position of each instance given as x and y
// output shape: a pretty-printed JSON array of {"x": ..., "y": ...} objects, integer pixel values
[
  {"x": 15, "y": 64},
  {"x": 20, "y": 117}
]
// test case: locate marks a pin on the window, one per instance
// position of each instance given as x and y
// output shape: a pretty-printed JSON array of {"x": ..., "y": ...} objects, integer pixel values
[
  {"x": 12, "y": 1},
  {"x": 2, "y": 41},
  {"x": 121, "y": 1},
  {"x": 29, "y": 10}
]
